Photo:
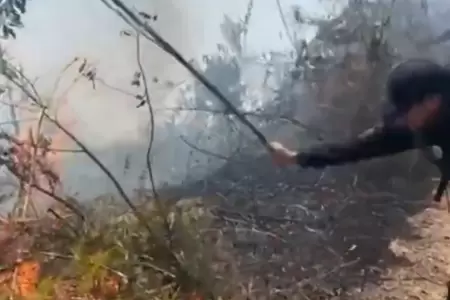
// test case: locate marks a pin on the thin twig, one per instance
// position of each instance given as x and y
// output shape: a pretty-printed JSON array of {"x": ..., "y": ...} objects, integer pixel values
[
  {"x": 54, "y": 255},
  {"x": 82, "y": 146},
  {"x": 33, "y": 164},
  {"x": 148, "y": 31},
  {"x": 328, "y": 273},
  {"x": 61, "y": 73},
  {"x": 50, "y": 194},
  {"x": 159, "y": 204},
  {"x": 285, "y": 25},
  {"x": 60, "y": 218},
  {"x": 256, "y": 114},
  {"x": 203, "y": 151},
  {"x": 151, "y": 114}
]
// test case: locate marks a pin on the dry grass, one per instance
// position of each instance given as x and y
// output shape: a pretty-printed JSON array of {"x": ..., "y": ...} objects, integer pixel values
[{"x": 116, "y": 257}]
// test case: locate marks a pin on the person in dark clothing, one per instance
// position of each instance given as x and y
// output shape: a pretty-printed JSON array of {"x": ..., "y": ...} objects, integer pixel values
[{"x": 418, "y": 93}]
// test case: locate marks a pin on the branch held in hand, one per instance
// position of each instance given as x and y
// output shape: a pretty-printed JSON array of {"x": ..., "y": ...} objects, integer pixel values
[{"x": 147, "y": 31}]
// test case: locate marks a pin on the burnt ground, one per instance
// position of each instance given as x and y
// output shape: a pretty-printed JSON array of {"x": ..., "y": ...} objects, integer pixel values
[{"x": 364, "y": 231}]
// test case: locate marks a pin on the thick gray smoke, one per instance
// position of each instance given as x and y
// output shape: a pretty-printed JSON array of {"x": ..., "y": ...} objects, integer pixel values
[{"x": 108, "y": 120}]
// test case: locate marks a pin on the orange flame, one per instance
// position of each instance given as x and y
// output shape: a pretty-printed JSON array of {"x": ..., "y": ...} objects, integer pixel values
[
  {"x": 26, "y": 278},
  {"x": 39, "y": 158}
]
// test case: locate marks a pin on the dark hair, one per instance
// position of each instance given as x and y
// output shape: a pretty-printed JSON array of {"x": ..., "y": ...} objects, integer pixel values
[{"x": 411, "y": 81}]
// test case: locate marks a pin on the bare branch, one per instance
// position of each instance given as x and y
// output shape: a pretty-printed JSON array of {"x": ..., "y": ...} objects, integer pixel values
[
  {"x": 203, "y": 151},
  {"x": 285, "y": 25},
  {"x": 151, "y": 114},
  {"x": 36, "y": 100},
  {"x": 50, "y": 194},
  {"x": 145, "y": 29},
  {"x": 256, "y": 114},
  {"x": 35, "y": 141}
]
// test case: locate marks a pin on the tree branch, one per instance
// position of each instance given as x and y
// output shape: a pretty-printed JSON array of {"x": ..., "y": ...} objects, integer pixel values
[
  {"x": 131, "y": 18},
  {"x": 151, "y": 114},
  {"x": 14, "y": 78},
  {"x": 255, "y": 114}
]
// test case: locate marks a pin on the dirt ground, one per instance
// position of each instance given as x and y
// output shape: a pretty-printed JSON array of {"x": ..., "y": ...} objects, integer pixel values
[
  {"x": 377, "y": 238},
  {"x": 426, "y": 260}
]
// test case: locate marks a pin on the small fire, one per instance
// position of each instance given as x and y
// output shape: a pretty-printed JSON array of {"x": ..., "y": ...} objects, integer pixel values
[{"x": 37, "y": 156}]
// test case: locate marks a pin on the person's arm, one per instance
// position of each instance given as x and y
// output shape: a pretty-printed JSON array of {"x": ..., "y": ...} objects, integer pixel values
[{"x": 375, "y": 142}]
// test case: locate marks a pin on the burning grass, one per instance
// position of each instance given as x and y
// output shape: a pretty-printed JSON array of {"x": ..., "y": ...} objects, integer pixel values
[
  {"x": 153, "y": 249},
  {"x": 115, "y": 257}
]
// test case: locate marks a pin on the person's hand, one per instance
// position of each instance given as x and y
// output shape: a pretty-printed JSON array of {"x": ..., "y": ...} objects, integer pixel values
[{"x": 282, "y": 156}]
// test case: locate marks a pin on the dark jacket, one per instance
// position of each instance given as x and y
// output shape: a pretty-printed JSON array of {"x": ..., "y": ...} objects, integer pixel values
[{"x": 408, "y": 83}]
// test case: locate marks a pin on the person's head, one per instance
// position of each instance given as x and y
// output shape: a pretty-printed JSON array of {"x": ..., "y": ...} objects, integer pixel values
[{"x": 415, "y": 96}]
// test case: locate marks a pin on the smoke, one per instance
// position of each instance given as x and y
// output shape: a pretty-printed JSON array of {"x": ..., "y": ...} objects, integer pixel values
[
  {"x": 121, "y": 131},
  {"x": 108, "y": 121}
]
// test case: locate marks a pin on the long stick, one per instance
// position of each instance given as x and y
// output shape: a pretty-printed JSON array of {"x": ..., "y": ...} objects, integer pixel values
[{"x": 163, "y": 44}]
